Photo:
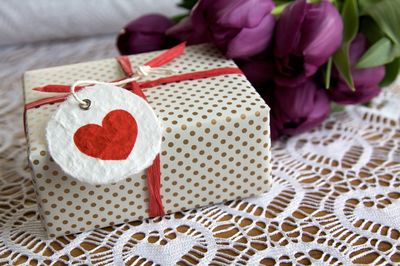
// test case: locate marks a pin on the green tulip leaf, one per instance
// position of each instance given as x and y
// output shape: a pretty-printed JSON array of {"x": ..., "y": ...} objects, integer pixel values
[
  {"x": 187, "y": 4},
  {"x": 365, "y": 4},
  {"x": 382, "y": 52},
  {"x": 391, "y": 72},
  {"x": 350, "y": 20},
  {"x": 282, "y": 2},
  {"x": 342, "y": 63},
  {"x": 350, "y": 28},
  {"x": 370, "y": 29},
  {"x": 386, "y": 13},
  {"x": 176, "y": 19}
]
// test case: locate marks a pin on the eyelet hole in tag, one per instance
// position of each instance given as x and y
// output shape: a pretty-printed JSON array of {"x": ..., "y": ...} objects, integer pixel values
[{"x": 86, "y": 105}]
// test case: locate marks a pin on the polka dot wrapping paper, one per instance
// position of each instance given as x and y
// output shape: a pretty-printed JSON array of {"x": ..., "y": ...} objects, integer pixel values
[{"x": 215, "y": 145}]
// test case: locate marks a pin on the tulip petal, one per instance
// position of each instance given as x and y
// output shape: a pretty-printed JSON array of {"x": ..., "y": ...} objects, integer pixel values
[
  {"x": 357, "y": 48},
  {"x": 368, "y": 76},
  {"x": 239, "y": 28},
  {"x": 343, "y": 95},
  {"x": 323, "y": 35},
  {"x": 258, "y": 72},
  {"x": 144, "y": 34},
  {"x": 241, "y": 13},
  {"x": 366, "y": 83},
  {"x": 319, "y": 113},
  {"x": 306, "y": 36},
  {"x": 288, "y": 28},
  {"x": 140, "y": 43},
  {"x": 184, "y": 31},
  {"x": 299, "y": 100},
  {"x": 317, "y": 116},
  {"x": 151, "y": 23},
  {"x": 295, "y": 110},
  {"x": 294, "y": 81},
  {"x": 251, "y": 41}
]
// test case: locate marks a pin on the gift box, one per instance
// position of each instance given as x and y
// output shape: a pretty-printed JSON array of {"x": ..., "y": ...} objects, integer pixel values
[{"x": 215, "y": 144}]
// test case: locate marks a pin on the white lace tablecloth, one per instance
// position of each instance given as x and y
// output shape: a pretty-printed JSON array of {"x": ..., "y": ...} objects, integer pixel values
[{"x": 335, "y": 197}]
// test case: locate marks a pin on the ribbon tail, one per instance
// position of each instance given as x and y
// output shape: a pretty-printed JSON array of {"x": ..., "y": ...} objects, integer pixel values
[
  {"x": 154, "y": 185},
  {"x": 50, "y": 100},
  {"x": 59, "y": 88},
  {"x": 191, "y": 76},
  {"x": 167, "y": 56},
  {"x": 125, "y": 65},
  {"x": 54, "y": 88}
]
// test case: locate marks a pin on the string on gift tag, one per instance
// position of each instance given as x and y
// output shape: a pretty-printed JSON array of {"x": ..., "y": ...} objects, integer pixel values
[{"x": 141, "y": 72}]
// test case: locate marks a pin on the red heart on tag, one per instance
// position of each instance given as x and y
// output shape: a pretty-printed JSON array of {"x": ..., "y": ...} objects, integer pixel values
[{"x": 113, "y": 140}]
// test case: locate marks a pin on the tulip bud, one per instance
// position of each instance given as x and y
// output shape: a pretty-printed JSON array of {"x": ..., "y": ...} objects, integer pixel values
[
  {"x": 297, "y": 109},
  {"x": 239, "y": 28},
  {"x": 144, "y": 34},
  {"x": 306, "y": 36},
  {"x": 366, "y": 80}
]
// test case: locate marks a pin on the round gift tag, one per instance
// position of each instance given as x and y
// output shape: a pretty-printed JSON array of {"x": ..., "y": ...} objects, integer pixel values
[{"x": 116, "y": 136}]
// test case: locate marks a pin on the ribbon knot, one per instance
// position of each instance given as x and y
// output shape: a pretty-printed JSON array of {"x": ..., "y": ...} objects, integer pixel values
[{"x": 146, "y": 70}]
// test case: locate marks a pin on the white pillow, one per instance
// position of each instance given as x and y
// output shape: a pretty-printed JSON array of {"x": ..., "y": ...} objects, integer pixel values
[{"x": 37, "y": 20}]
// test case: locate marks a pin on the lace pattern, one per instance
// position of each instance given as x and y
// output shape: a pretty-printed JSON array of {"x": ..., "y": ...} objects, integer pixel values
[{"x": 335, "y": 197}]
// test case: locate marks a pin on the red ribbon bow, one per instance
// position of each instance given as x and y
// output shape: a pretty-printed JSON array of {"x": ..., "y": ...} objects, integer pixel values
[{"x": 153, "y": 172}]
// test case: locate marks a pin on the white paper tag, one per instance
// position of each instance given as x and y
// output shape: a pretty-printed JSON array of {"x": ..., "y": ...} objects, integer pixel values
[{"x": 118, "y": 136}]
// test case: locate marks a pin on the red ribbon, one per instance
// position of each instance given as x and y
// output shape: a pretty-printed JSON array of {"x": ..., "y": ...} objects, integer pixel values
[
  {"x": 153, "y": 172},
  {"x": 156, "y": 207}
]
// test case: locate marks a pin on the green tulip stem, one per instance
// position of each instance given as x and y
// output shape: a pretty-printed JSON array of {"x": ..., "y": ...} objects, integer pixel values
[
  {"x": 313, "y": 1},
  {"x": 279, "y": 9},
  {"x": 328, "y": 72}
]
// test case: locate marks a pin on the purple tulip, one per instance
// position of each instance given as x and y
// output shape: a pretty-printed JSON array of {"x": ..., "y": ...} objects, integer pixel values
[
  {"x": 144, "y": 34},
  {"x": 259, "y": 71},
  {"x": 184, "y": 31},
  {"x": 297, "y": 109},
  {"x": 366, "y": 80},
  {"x": 239, "y": 28},
  {"x": 306, "y": 36}
]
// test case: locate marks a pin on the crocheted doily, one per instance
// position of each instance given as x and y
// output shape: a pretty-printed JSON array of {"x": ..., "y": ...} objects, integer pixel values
[{"x": 335, "y": 197}]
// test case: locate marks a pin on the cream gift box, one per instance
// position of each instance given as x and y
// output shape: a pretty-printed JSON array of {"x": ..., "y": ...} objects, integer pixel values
[{"x": 215, "y": 146}]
